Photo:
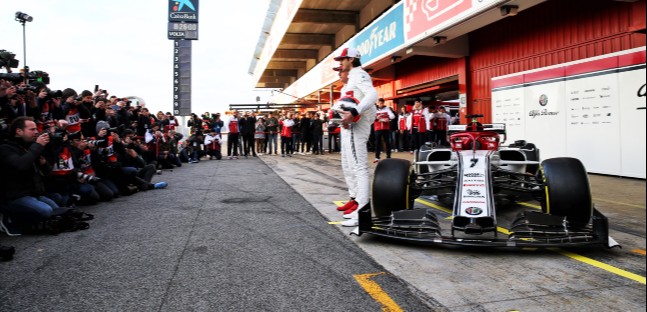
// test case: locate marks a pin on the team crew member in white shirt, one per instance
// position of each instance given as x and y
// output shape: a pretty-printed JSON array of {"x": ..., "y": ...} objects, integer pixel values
[
  {"x": 382, "y": 128},
  {"x": 354, "y": 152}
]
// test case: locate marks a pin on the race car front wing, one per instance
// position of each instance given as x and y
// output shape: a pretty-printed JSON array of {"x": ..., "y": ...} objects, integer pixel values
[{"x": 529, "y": 229}]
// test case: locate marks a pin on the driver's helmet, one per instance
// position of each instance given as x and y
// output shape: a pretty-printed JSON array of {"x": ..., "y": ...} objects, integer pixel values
[
  {"x": 347, "y": 102},
  {"x": 474, "y": 126}
]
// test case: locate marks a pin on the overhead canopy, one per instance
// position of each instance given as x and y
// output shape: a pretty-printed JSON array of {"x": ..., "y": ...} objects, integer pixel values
[{"x": 294, "y": 53}]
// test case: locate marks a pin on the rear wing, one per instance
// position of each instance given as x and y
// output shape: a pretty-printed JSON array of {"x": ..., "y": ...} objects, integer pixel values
[{"x": 494, "y": 127}]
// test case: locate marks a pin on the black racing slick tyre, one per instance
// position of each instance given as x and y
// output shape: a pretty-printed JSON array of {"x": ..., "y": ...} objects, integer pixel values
[
  {"x": 567, "y": 192},
  {"x": 391, "y": 186}
]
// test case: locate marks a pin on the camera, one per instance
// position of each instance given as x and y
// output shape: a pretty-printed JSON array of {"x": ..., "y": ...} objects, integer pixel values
[
  {"x": 57, "y": 94},
  {"x": 31, "y": 78},
  {"x": 87, "y": 178},
  {"x": 56, "y": 137},
  {"x": 98, "y": 143},
  {"x": 7, "y": 59},
  {"x": 26, "y": 88}
]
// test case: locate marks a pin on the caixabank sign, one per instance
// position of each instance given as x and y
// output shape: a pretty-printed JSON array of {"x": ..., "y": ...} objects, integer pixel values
[{"x": 183, "y": 11}]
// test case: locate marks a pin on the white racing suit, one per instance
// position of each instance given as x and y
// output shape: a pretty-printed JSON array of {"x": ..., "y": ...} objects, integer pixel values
[{"x": 354, "y": 153}]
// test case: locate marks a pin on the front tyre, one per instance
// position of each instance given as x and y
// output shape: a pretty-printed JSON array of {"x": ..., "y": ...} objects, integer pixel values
[
  {"x": 391, "y": 186},
  {"x": 567, "y": 192}
]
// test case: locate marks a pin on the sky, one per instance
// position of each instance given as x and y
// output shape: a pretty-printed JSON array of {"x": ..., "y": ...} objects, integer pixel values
[{"x": 122, "y": 46}]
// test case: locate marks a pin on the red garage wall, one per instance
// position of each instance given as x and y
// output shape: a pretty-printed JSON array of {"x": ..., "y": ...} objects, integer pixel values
[
  {"x": 550, "y": 33},
  {"x": 423, "y": 69}
]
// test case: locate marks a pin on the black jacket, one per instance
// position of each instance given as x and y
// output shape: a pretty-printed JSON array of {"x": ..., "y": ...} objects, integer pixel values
[{"x": 21, "y": 171}]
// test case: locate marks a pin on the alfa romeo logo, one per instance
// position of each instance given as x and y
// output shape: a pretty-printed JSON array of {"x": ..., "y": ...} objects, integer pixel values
[{"x": 543, "y": 100}]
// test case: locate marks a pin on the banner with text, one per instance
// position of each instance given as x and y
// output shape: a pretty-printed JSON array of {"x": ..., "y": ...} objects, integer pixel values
[{"x": 591, "y": 109}]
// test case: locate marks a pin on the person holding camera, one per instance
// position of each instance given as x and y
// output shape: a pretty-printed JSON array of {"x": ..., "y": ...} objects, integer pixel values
[
  {"x": 66, "y": 183},
  {"x": 82, "y": 155},
  {"x": 22, "y": 189},
  {"x": 212, "y": 144},
  {"x": 75, "y": 113},
  {"x": 144, "y": 120}
]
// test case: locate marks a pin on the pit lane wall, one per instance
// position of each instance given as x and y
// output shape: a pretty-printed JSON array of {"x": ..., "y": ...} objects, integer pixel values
[{"x": 591, "y": 109}]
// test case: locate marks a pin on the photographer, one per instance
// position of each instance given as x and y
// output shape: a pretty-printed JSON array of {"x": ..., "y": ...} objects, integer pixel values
[
  {"x": 86, "y": 100},
  {"x": 66, "y": 180},
  {"x": 49, "y": 105},
  {"x": 166, "y": 158},
  {"x": 132, "y": 156},
  {"x": 82, "y": 154},
  {"x": 212, "y": 145},
  {"x": 110, "y": 164},
  {"x": 7, "y": 112},
  {"x": 75, "y": 113},
  {"x": 22, "y": 190},
  {"x": 194, "y": 122},
  {"x": 195, "y": 141},
  {"x": 144, "y": 120}
]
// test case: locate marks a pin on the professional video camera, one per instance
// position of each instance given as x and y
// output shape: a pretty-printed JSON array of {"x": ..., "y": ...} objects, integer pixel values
[
  {"x": 7, "y": 60},
  {"x": 33, "y": 77}
]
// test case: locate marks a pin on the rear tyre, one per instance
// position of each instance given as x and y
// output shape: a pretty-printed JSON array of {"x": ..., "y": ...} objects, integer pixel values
[
  {"x": 391, "y": 186},
  {"x": 567, "y": 190}
]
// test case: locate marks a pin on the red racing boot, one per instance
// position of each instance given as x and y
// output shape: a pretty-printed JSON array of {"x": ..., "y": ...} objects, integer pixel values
[
  {"x": 349, "y": 204},
  {"x": 350, "y": 210}
]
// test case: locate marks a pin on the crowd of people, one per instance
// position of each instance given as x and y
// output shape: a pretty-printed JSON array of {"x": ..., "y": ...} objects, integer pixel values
[
  {"x": 289, "y": 132},
  {"x": 60, "y": 149}
]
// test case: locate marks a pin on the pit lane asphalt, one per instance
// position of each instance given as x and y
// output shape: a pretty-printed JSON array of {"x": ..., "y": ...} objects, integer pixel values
[
  {"x": 224, "y": 236},
  {"x": 485, "y": 279}
]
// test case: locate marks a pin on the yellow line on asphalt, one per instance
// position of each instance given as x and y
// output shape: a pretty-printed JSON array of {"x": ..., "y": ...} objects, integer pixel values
[
  {"x": 529, "y": 205},
  {"x": 639, "y": 251},
  {"x": 334, "y": 222},
  {"x": 574, "y": 256},
  {"x": 376, "y": 292},
  {"x": 598, "y": 264},
  {"x": 617, "y": 202},
  {"x": 339, "y": 203},
  {"x": 432, "y": 205}
]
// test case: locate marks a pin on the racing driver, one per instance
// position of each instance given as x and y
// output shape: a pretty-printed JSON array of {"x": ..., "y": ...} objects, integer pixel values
[{"x": 354, "y": 139}]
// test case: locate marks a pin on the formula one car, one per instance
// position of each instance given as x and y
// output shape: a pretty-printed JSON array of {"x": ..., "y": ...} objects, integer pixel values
[{"x": 481, "y": 179}]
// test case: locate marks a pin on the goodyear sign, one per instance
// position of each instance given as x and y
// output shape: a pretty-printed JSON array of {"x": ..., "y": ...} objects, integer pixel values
[
  {"x": 183, "y": 11},
  {"x": 382, "y": 36}
]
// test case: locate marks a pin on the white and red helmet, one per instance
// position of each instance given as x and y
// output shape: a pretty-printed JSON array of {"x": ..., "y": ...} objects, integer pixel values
[{"x": 345, "y": 103}]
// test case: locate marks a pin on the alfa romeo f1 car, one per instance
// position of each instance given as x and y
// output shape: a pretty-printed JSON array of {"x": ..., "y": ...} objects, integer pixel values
[{"x": 483, "y": 181}]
